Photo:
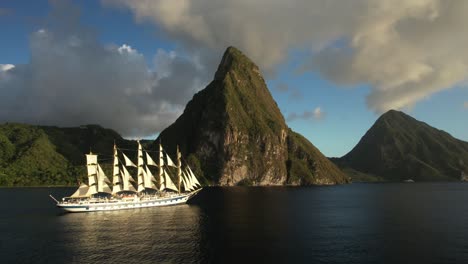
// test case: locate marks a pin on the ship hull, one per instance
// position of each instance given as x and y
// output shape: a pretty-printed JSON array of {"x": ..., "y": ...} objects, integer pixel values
[{"x": 113, "y": 205}]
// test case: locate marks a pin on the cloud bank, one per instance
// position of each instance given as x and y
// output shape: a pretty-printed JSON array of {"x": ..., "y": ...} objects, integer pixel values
[
  {"x": 6, "y": 67},
  {"x": 404, "y": 50},
  {"x": 72, "y": 79}
]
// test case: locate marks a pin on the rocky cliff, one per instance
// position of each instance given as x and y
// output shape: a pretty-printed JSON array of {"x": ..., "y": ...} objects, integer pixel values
[{"x": 234, "y": 129}]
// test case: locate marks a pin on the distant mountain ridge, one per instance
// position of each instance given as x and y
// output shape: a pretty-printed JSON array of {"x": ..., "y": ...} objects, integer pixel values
[{"x": 399, "y": 147}]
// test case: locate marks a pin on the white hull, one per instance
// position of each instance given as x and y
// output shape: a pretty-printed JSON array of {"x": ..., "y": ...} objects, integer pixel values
[{"x": 114, "y": 204}]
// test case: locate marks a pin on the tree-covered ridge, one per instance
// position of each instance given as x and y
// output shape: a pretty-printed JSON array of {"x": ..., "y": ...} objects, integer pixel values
[
  {"x": 307, "y": 165},
  {"x": 40, "y": 155},
  {"x": 48, "y": 155},
  {"x": 27, "y": 157}
]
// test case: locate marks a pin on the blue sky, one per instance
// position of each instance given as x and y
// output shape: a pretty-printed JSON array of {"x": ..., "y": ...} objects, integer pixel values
[{"x": 332, "y": 110}]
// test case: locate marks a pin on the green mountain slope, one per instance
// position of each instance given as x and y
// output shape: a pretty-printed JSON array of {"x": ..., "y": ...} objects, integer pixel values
[
  {"x": 399, "y": 147},
  {"x": 236, "y": 132},
  {"x": 37, "y": 155}
]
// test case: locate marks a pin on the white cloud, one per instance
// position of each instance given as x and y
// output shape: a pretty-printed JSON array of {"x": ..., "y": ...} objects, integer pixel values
[
  {"x": 316, "y": 114},
  {"x": 6, "y": 67},
  {"x": 405, "y": 50},
  {"x": 72, "y": 79},
  {"x": 126, "y": 49}
]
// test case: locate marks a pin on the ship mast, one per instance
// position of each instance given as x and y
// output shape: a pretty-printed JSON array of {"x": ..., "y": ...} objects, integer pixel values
[
  {"x": 91, "y": 165},
  {"x": 140, "y": 169},
  {"x": 179, "y": 168},
  {"x": 161, "y": 168},
  {"x": 116, "y": 179}
]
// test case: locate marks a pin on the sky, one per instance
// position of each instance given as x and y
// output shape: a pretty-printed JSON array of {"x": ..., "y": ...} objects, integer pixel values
[{"x": 332, "y": 66}]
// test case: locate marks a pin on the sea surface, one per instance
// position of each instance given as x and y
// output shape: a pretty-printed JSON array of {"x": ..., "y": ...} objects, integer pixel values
[{"x": 355, "y": 223}]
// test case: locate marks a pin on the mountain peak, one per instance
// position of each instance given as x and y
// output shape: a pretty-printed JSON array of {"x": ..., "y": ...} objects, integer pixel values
[
  {"x": 234, "y": 59},
  {"x": 399, "y": 147},
  {"x": 391, "y": 114},
  {"x": 397, "y": 119},
  {"x": 234, "y": 132}
]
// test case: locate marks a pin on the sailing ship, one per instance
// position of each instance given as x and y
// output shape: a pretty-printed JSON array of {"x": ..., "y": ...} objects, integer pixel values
[{"x": 124, "y": 192}]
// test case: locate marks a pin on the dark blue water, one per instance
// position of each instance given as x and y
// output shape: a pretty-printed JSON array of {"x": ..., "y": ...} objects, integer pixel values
[{"x": 357, "y": 223}]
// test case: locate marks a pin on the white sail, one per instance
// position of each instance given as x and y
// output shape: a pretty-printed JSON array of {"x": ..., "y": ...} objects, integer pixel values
[
  {"x": 149, "y": 160},
  {"x": 127, "y": 179},
  {"x": 168, "y": 182},
  {"x": 179, "y": 169},
  {"x": 116, "y": 188},
  {"x": 161, "y": 184},
  {"x": 117, "y": 179},
  {"x": 169, "y": 161},
  {"x": 141, "y": 171},
  {"x": 149, "y": 179},
  {"x": 103, "y": 181},
  {"x": 141, "y": 186},
  {"x": 91, "y": 166},
  {"x": 193, "y": 178},
  {"x": 92, "y": 180},
  {"x": 161, "y": 169},
  {"x": 185, "y": 181},
  {"x": 127, "y": 175},
  {"x": 81, "y": 191},
  {"x": 92, "y": 190},
  {"x": 91, "y": 159},
  {"x": 189, "y": 181},
  {"x": 128, "y": 162}
]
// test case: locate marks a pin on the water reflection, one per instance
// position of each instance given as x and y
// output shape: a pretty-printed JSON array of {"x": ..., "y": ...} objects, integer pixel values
[{"x": 165, "y": 234}]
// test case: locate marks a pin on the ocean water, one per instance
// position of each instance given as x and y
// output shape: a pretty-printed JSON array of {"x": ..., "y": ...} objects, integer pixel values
[{"x": 355, "y": 223}]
